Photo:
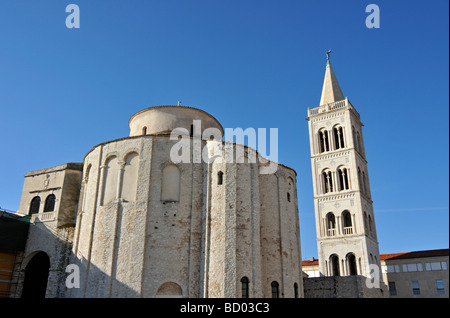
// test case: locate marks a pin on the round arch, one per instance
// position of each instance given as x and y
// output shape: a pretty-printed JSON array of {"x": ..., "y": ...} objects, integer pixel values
[{"x": 36, "y": 275}]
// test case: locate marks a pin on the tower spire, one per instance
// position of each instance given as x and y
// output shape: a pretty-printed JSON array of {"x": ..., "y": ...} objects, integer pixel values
[{"x": 331, "y": 91}]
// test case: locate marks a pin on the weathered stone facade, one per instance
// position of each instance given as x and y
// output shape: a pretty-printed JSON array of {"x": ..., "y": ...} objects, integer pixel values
[
  {"x": 340, "y": 287},
  {"x": 146, "y": 226}
]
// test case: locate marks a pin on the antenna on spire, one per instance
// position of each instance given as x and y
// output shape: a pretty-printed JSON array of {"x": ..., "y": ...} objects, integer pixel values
[{"x": 328, "y": 55}]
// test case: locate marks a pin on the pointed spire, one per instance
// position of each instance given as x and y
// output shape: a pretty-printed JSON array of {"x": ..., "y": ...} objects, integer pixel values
[{"x": 331, "y": 92}]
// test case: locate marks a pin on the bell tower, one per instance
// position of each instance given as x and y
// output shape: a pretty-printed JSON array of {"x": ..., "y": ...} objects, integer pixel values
[{"x": 345, "y": 224}]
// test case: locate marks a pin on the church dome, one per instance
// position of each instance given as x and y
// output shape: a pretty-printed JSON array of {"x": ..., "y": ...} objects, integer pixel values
[{"x": 162, "y": 120}]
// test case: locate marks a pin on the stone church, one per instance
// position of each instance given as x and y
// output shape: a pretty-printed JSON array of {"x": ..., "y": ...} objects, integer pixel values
[
  {"x": 130, "y": 221},
  {"x": 136, "y": 224}
]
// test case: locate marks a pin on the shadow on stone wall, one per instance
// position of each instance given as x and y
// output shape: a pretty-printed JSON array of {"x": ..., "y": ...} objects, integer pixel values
[
  {"x": 341, "y": 287},
  {"x": 57, "y": 244}
]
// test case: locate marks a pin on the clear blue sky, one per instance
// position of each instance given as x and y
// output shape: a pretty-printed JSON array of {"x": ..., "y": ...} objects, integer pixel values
[{"x": 250, "y": 63}]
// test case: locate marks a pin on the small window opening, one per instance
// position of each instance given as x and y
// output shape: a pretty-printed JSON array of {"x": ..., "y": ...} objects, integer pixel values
[
  {"x": 275, "y": 290},
  {"x": 50, "y": 203},
  {"x": 245, "y": 287}
]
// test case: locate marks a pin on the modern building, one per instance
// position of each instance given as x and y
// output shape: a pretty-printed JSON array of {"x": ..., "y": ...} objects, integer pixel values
[{"x": 419, "y": 274}]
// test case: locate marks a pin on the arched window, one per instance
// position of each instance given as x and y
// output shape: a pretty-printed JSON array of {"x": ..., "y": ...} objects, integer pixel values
[
  {"x": 331, "y": 224},
  {"x": 50, "y": 203},
  {"x": 169, "y": 290},
  {"x": 245, "y": 287},
  {"x": 343, "y": 179},
  {"x": 338, "y": 137},
  {"x": 364, "y": 182},
  {"x": 295, "y": 290},
  {"x": 85, "y": 186},
  {"x": 110, "y": 179},
  {"x": 34, "y": 205},
  {"x": 144, "y": 130},
  {"x": 170, "y": 189},
  {"x": 289, "y": 197},
  {"x": 347, "y": 220},
  {"x": 327, "y": 181},
  {"x": 370, "y": 224},
  {"x": 334, "y": 262},
  {"x": 220, "y": 178},
  {"x": 324, "y": 141},
  {"x": 351, "y": 262},
  {"x": 275, "y": 289},
  {"x": 130, "y": 177},
  {"x": 366, "y": 227},
  {"x": 358, "y": 140},
  {"x": 361, "y": 185}
]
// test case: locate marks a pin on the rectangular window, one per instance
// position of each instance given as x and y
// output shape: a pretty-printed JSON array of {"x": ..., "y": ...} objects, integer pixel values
[
  {"x": 392, "y": 289},
  {"x": 415, "y": 287},
  {"x": 440, "y": 287},
  {"x": 444, "y": 265},
  {"x": 436, "y": 266}
]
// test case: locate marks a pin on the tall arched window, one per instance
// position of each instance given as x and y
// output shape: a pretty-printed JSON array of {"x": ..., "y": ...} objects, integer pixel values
[
  {"x": 347, "y": 220},
  {"x": 85, "y": 185},
  {"x": 324, "y": 142},
  {"x": 130, "y": 177},
  {"x": 331, "y": 224},
  {"x": 50, "y": 203},
  {"x": 334, "y": 262},
  {"x": 170, "y": 188},
  {"x": 327, "y": 181},
  {"x": 245, "y": 287},
  {"x": 358, "y": 140},
  {"x": 351, "y": 263},
  {"x": 295, "y": 290},
  {"x": 338, "y": 134},
  {"x": 275, "y": 289},
  {"x": 34, "y": 205},
  {"x": 343, "y": 179},
  {"x": 144, "y": 130},
  {"x": 364, "y": 182},
  {"x": 110, "y": 179},
  {"x": 366, "y": 227},
  {"x": 361, "y": 185}
]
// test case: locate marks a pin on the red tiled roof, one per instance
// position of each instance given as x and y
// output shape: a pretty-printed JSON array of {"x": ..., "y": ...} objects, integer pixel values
[
  {"x": 391, "y": 256},
  {"x": 416, "y": 254},
  {"x": 310, "y": 263}
]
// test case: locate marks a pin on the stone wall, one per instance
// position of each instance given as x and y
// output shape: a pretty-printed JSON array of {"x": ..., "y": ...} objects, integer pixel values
[
  {"x": 341, "y": 287},
  {"x": 202, "y": 243}
]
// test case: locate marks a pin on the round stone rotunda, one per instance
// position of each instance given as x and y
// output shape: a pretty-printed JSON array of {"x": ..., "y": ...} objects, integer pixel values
[{"x": 150, "y": 225}]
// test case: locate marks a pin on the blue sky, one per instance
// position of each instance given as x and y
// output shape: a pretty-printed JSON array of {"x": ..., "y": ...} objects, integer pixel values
[{"x": 248, "y": 63}]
